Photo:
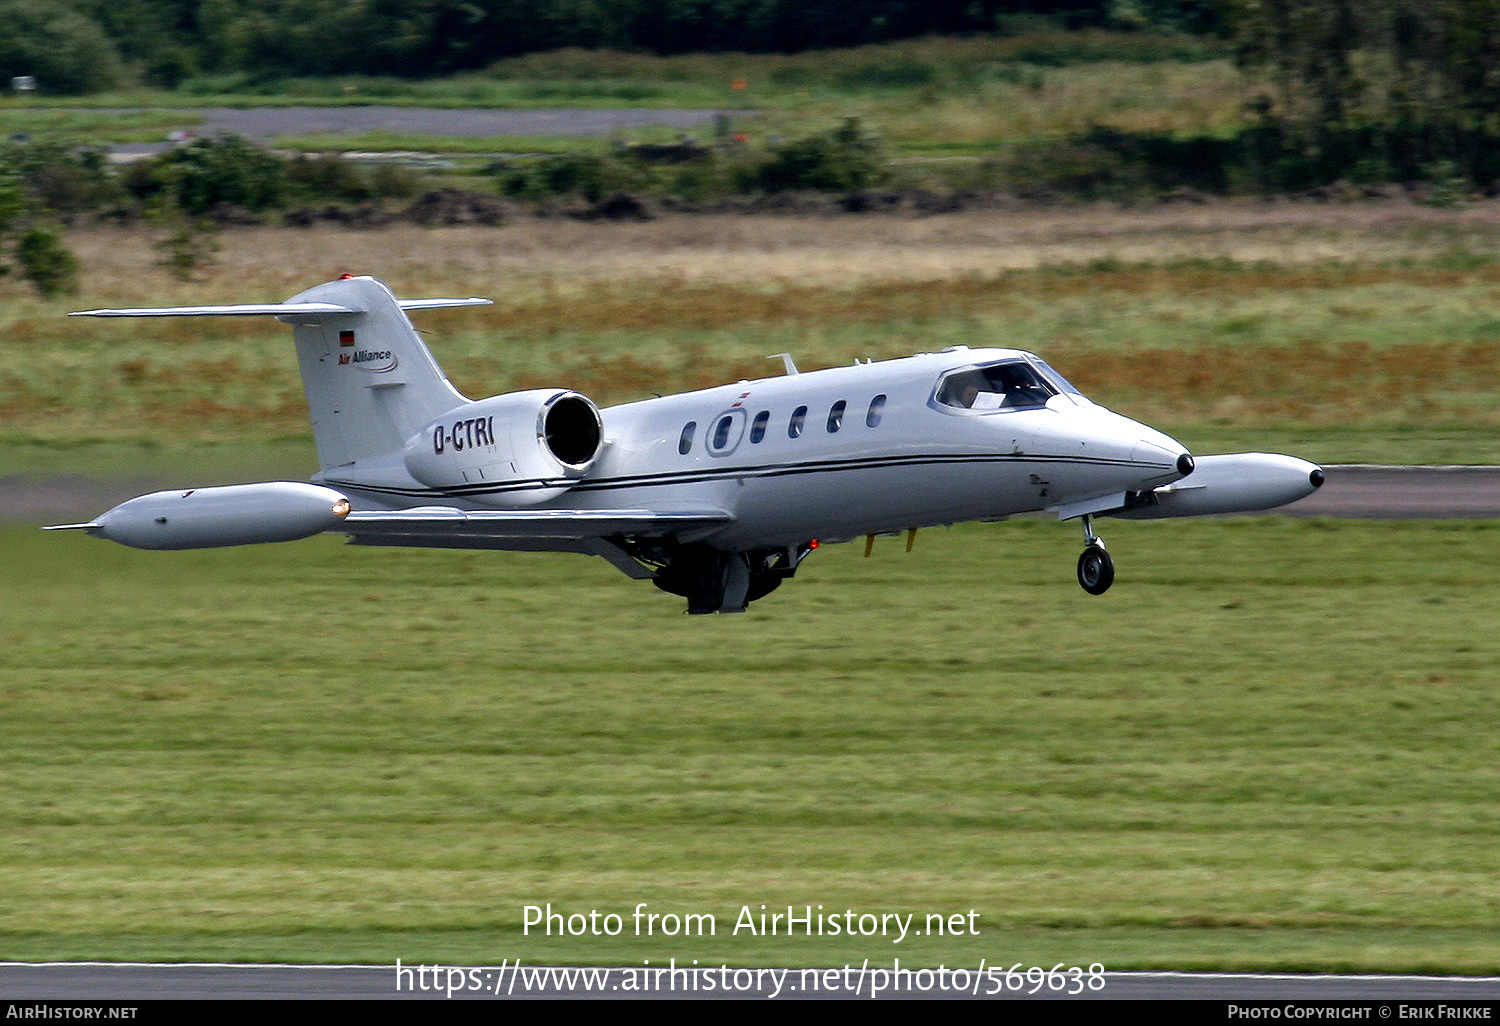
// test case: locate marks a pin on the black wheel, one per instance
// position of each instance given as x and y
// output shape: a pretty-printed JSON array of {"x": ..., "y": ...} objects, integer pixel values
[
  {"x": 763, "y": 583},
  {"x": 697, "y": 573},
  {"x": 1096, "y": 571}
]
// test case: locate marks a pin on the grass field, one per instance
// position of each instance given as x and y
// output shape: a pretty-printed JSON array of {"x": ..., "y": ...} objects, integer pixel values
[
  {"x": 1271, "y": 746},
  {"x": 929, "y": 97},
  {"x": 1341, "y": 332}
]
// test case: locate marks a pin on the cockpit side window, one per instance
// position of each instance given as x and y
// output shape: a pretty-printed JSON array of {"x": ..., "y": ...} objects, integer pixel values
[{"x": 1012, "y": 385}]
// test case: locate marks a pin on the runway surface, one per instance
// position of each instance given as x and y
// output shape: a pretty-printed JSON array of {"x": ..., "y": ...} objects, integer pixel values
[
  {"x": 126, "y": 982},
  {"x": 265, "y": 124},
  {"x": 1404, "y": 493},
  {"x": 1393, "y": 493}
]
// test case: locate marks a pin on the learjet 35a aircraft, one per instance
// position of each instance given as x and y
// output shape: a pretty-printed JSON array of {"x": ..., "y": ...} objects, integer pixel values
[{"x": 715, "y": 495}]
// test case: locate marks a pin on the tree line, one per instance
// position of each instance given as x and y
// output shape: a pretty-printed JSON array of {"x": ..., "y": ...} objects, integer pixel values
[
  {"x": 79, "y": 46},
  {"x": 1360, "y": 90},
  {"x": 1374, "y": 90}
]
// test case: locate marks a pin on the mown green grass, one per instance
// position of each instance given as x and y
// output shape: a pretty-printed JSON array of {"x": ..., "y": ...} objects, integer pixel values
[
  {"x": 71, "y": 125},
  {"x": 1270, "y": 746}
]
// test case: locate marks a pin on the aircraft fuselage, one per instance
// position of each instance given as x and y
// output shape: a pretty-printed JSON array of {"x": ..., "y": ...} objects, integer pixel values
[
  {"x": 848, "y": 451},
  {"x": 830, "y": 455}
]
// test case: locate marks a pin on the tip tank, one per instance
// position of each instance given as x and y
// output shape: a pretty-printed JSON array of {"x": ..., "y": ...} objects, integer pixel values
[
  {"x": 200, "y": 518},
  {"x": 1240, "y": 482}
]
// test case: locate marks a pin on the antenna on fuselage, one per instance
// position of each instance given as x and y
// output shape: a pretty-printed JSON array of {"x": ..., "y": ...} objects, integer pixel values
[{"x": 786, "y": 358}]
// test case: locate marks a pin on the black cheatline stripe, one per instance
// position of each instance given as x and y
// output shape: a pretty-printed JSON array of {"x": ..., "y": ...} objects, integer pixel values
[
  {"x": 684, "y": 477},
  {"x": 834, "y": 466}
]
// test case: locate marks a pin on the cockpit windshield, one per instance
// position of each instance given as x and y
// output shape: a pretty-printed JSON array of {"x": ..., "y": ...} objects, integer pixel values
[
  {"x": 1011, "y": 385},
  {"x": 1050, "y": 373}
]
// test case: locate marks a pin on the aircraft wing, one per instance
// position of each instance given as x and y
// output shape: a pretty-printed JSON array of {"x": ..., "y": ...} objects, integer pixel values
[
  {"x": 551, "y": 530},
  {"x": 493, "y": 529}
]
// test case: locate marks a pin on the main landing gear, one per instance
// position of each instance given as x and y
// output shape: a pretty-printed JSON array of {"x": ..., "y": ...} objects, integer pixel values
[
  {"x": 715, "y": 581},
  {"x": 1096, "y": 570}
]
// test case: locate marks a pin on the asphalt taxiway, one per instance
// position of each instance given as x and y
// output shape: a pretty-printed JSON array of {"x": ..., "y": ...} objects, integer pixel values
[
  {"x": 145, "y": 982},
  {"x": 1358, "y": 491}
]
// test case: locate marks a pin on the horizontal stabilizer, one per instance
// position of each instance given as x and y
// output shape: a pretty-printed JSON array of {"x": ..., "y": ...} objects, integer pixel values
[
  {"x": 440, "y": 304},
  {"x": 240, "y": 310},
  {"x": 295, "y": 310}
]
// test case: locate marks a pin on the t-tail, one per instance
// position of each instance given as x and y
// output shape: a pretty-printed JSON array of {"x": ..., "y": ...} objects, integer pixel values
[{"x": 371, "y": 382}]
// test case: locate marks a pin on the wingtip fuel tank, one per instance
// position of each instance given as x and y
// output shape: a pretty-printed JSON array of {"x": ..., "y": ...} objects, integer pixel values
[
  {"x": 1232, "y": 483},
  {"x": 200, "y": 518}
]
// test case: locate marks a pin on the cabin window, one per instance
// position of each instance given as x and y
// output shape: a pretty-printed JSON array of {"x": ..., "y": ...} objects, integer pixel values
[
  {"x": 799, "y": 418},
  {"x": 836, "y": 416},
  {"x": 685, "y": 443},
  {"x": 758, "y": 426},
  {"x": 876, "y": 411},
  {"x": 721, "y": 432}
]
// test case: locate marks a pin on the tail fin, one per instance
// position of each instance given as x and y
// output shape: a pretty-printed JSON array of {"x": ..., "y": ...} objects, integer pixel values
[{"x": 370, "y": 381}]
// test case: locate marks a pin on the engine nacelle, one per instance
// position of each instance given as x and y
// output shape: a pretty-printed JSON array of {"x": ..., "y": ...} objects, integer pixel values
[
  {"x": 203, "y": 518},
  {"x": 1234, "y": 483},
  {"x": 516, "y": 449}
]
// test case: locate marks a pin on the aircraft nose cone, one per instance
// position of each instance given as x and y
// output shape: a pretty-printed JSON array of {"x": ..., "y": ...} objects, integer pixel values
[
  {"x": 1316, "y": 477},
  {"x": 1161, "y": 452}
]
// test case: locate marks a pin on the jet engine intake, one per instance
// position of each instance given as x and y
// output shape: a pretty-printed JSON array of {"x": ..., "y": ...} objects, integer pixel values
[{"x": 516, "y": 449}]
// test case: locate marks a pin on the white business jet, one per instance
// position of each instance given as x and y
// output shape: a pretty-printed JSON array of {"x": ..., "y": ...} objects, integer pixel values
[{"x": 715, "y": 495}]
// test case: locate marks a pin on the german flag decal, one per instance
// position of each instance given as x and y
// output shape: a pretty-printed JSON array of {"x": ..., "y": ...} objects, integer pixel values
[{"x": 346, "y": 337}]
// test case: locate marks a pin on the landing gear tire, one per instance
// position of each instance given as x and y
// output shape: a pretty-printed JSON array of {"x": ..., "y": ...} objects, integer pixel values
[
  {"x": 715, "y": 581},
  {"x": 1096, "y": 571}
]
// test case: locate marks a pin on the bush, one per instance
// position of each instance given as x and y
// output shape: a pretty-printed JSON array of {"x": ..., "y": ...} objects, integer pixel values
[
  {"x": 1108, "y": 164},
  {"x": 189, "y": 246},
  {"x": 330, "y": 176},
  {"x": 842, "y": 160},
  {"x": 208, "y": 172},
  {"x": 48, "y": 264},
  {"x": 60, "y": 179},
  {"x": 12, "y": 198},
  {"x": 580, "y": 174},
  {"x": 392, "y": 181},
  {"x": 1075, "y": 168}
]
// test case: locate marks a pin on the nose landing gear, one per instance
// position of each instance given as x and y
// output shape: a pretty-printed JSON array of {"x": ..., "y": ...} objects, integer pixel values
[{"x": 1096, "y": 570}]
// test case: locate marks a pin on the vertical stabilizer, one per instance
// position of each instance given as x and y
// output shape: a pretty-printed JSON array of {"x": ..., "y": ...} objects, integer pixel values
[{"x": 371, "y": 382}]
